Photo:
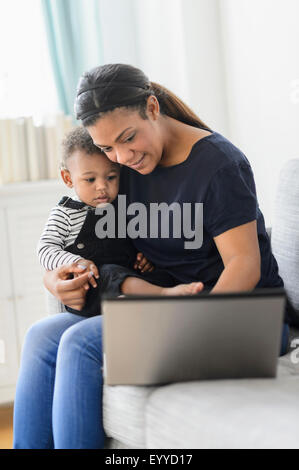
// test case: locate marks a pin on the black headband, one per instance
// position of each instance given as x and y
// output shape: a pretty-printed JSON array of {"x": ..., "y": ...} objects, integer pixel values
[
  {"x": 109, "y": 85},
  {"x": 94, "y": 110}
]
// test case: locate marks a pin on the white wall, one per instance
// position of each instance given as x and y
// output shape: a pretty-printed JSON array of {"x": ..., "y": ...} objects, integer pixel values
[
  {"x": 137, "y": 32},
  {"x": 179, "y": 45},
  {"x": 118, "y": 31},
  {"x": 161, "y": 48},
  {"x": 176, "y": 43},
  {"x": 261, "y": 40},
  {"x": 204, "y": 65},
  {"x": 235, "y": 62}
]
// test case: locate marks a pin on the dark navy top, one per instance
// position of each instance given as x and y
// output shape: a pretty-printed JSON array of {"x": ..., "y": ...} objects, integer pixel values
[{"x": 217, "y": 174}]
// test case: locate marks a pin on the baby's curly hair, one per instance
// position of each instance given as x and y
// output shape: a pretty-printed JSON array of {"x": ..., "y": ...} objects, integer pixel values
[{"x": 77, "y": 139}]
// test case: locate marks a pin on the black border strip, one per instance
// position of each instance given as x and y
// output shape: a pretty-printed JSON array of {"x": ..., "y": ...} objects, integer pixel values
[{"x": 262, "y": 292}]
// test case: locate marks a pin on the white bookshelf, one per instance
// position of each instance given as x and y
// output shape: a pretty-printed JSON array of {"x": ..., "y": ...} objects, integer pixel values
[{"x": 24, "y": 209}]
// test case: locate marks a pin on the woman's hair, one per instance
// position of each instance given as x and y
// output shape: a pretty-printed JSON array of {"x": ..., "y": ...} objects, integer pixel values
[
  {"x": 111, "y": 86},
  {"x": 77, "y": 139}
]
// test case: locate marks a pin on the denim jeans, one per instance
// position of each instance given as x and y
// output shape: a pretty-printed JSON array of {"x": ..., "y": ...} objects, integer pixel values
[{"x": 58, "y": 402}]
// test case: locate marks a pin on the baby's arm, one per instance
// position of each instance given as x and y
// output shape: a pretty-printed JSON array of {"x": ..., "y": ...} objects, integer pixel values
[
  {"x": 50, "y": 249},
  {"x": 51, "y": 246}
]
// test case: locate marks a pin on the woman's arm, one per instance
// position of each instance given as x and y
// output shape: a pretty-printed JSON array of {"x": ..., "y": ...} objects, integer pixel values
[
  {"x": 240, "y": 253},
  {"x": 70, "y": 292}
]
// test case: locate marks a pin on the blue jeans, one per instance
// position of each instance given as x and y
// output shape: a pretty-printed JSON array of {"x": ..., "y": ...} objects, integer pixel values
[
  {"x": 58, "y": 402},
  {"x": 284, "y": 339}
]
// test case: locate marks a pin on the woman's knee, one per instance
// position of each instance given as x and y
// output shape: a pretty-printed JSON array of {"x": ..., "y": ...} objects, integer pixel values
[
  {"x": 84, "y": 339},
  {"x": 42, "y": 337},
  {"x": 37, "y": 335}
]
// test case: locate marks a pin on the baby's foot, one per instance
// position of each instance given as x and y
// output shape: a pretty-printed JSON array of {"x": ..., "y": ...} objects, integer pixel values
[{"x": 183, "y": 289}]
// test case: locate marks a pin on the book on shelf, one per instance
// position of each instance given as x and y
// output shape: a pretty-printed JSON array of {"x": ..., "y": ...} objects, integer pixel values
[
  {"x": 41, "y": 152},
  {"x": 32, "y": 149},
  {"x": 19, "y": 154},
  {"x": 5, "y": 152},
  {"x": 63, "y": 125},
  {"x": 51, "y": 151},
  {"x": 55, "y": 132}
]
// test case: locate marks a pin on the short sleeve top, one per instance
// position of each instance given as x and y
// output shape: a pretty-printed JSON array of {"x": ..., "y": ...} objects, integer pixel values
[{"x": 210, "y": 192}]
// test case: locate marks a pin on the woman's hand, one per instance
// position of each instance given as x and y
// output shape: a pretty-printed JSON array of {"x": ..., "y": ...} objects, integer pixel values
[
  {"x": 70, "y": 291},
  {"x": 91, "y": 267},
  {"x": 143, "y": 264}
]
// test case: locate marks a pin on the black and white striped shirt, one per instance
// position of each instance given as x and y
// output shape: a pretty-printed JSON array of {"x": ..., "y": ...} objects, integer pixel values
[{"x": 61, "y": 230}]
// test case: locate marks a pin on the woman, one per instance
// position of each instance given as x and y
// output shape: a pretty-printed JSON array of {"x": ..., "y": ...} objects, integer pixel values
[{"x": 169, "y": 156}]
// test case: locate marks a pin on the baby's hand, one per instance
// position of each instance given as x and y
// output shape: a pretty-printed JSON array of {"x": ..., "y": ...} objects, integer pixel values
[
  {"x": 91, "y": 267},
  {"x": 143, "y": 264}
]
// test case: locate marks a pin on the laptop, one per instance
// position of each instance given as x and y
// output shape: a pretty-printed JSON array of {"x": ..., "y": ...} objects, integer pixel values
[{"x": 155, "y": 340}]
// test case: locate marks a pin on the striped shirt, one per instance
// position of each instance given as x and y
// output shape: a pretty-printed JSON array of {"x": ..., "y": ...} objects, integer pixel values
[{"x": 61, "y": 230}]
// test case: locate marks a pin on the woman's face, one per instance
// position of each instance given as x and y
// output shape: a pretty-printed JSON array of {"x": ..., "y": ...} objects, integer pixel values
[{"x": 128, "y": 139}]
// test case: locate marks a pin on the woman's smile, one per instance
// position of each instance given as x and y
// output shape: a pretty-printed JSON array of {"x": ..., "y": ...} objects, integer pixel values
[{"x": 138, "y": 164}]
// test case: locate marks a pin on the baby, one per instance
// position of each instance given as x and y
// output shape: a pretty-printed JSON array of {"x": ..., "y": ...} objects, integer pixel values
[{"x": 69, "y": 235}]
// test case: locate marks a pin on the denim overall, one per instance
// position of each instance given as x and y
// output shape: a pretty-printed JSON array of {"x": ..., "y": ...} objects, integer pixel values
[{"x": 114, "y": 258}]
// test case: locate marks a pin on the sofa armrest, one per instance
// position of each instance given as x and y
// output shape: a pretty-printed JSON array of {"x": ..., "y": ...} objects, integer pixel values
[
  {"x": 269, "y": 230},
  {"x": 53, "y": 304}
]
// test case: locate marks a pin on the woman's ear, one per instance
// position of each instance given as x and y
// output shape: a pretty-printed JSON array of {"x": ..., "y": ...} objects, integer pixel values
[
  {"x": 153, "y": 107},
  {"x": 66, "y": 176}
]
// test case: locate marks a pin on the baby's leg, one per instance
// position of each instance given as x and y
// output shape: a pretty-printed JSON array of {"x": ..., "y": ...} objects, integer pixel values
[
  {"x": 135, "y": 285},
  {"x": 116, "y": 280}
]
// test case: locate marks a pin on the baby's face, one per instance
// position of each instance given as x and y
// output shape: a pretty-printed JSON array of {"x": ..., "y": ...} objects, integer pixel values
[{"x": 94, "y": 177}]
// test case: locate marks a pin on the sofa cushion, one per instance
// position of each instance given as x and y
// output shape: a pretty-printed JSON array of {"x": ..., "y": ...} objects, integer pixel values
[
  {"x": 285, "y": 231},
  {"x": 256, "y": 413},
  {"x": 229, "y": 414},
  {"x": 186, "y": 415},
  {"x": 124, "y": 413}
]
